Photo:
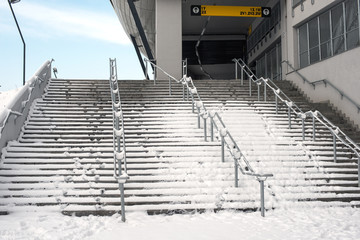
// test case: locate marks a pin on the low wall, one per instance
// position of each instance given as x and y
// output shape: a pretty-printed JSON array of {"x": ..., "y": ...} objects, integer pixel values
[{"x": 14, "y": 115}]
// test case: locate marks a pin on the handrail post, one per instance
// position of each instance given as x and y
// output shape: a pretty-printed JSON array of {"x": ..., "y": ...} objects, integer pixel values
[
  {"x": 236, "y": 173},
  {"x": 122, "y": 197},
  {"x": 250, "y": 80},
  {"x": 276, "y": 104},
  {"x": 262, "y": 197},
  {"x": 183, "y": 92},
  {"x": 313, "y": 123},
  {"x": 303, "y": 128},
  {"x": 205, "y": 130},
  {"x": 242, "y": 76},
  {"x": 265, "y": 91},
  {"x": 358, "y": 170},
  {"x": 170, "y": 86},
  {"x": 289, "y": 116},
  {"x": 236, "y": 70},
  {"x": 334, "y": 146},
  {"x": 222, "y": 149},
  {"x": 198, "y": 116},
  {"x": 258, "y": 89},
  {"x": 211, "y": 129}
]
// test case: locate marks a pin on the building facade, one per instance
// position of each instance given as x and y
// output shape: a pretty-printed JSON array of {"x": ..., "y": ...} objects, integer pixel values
[{"x": 313, "y": 43}]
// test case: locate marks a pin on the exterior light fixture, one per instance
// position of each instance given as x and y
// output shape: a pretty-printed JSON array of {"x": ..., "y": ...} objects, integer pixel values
[{"x": 22, "y": 38}]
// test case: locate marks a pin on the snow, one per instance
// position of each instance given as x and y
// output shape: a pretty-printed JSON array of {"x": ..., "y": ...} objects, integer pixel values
[
  {"x": 319, "y": 223},
  {"x": 7, "y": 97}
]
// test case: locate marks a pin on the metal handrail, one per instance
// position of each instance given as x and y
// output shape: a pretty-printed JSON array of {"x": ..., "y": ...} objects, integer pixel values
[
  {"x": 119, "y": 148},
  {"x": 292, "y": 107},
  {"x": 240, "y": 161},
  {"x": 325, "y": 81}
]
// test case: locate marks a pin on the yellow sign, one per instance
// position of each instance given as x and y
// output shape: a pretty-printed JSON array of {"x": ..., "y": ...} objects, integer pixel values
[{"x": 230, "y": 11}]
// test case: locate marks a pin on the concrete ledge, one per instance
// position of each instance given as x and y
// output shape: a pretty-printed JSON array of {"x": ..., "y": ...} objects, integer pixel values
[{"x": 16, "y": 112}]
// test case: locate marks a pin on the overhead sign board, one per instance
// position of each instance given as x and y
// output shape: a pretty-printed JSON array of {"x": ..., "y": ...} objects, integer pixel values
[{"x": 230, "y": 11}]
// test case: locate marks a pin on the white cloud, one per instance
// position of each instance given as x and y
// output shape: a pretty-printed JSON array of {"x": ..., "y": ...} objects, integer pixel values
[{"x": 63, "y": 21}]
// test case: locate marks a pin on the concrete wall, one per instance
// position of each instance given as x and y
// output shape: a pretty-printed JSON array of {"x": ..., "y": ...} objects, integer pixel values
[
  {"x": 34, "y": 88},
  {"x": 168, "y": 49},
  {"x": 341, "y": 70}
]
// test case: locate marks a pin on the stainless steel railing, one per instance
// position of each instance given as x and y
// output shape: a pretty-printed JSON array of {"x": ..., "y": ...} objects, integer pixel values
[
  {"x": 240, "y": 161},
  {"x": 316, "y": 116},
  {"x": 325, "y": 82},
  {"x": 119, "y": 147}
]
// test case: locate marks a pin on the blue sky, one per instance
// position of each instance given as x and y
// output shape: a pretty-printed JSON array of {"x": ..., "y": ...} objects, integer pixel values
[{"x": 79, "y": 35}]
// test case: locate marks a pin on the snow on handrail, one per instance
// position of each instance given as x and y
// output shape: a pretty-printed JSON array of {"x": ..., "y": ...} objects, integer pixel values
[
  {"x": 240, "y": 160},
  {"x": 337, "y": 133},
  {"x": 28, "y": 87},
  {"x": 119, "y": 147}
]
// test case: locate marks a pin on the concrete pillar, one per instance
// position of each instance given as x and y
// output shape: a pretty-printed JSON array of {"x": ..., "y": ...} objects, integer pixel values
[{"x": 168, "y": 38}]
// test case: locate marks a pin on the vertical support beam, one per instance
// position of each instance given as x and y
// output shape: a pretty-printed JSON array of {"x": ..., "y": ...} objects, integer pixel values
[
  {"x": 265, "y": 91},
  {"x": 258, "y": 89},
  {"x": 222, "y": 149},
  {"x": 140, "y": 30},
  {"x": 205, "y": 130},
  {"x": 303, "y": 128},
  {"x": 313, "y": 119},
  {"x": 262, "y": 197},
  {"x": 236, "y": 173},
  {"x": 236, "y": 70},
  {"x": 170, "y": 86},
  {"x": 168, "y": 27},
  {"x": 250, "y": 80},
  {"x": 139, "y": 57},
  {"x": 242, "y": 76},
  {"x": 289, "y": 116},
  {"x": 211, "y": 129},
  {"x": 122, "y": 197},
  {"x": 276, "y": 104},
  {"x": 334, "y": 145}
]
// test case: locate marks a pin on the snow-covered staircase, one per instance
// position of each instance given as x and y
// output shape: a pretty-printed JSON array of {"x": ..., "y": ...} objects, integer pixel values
[{"x": 62, "y": 160}]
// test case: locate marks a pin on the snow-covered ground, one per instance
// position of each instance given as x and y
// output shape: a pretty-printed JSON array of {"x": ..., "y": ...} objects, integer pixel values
[{"x": 319, "y": 223}]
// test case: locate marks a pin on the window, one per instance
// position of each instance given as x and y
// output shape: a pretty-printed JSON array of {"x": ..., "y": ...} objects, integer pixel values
[
  {"x": 352, "y": 24},
  {"x": 337, "y": 23},
  {"x": 303, "y": 46},
  {"x": 331, "y": 33},
  {"x": 325, "y": 41},
  {"x": 314, "y": 41}
]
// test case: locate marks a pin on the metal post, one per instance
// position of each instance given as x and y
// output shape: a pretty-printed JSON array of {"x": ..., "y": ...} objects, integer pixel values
[
  {"x": 122, "y": 197},
  {"x": 262, "y": 198},
  {"x": 276, "y": 104},
  {"x": 236, "y": 173},
  {"x": 258, "y": 87},
  {"x": 303, "y": 128},
  {"x": 242, "y": 76},
  {"x": 313, "y": 118},
  {"x": 193, "y": 108},
  {"x": 222, "y": 149},
  {"x": 187, "y": 94},
  {"x": 183, "y": 92},
  {"x": 170, "y": 86},
  {"x": 334, "y": 145},
  {"x": 198, "y": 115},
  {"x": 289, "y": 115},
  {"x": 265, "y": 91},
  {"x": 236, "y": 70},
  {"x": 211, "y": 129},
  {"x": 250, "y": 79},
  {"x": 359, "y": 171},
  {"x": 205, "y": 130}
]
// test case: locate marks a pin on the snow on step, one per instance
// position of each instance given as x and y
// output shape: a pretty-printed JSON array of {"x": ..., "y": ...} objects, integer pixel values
[{"x": 62, "y": 160}]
